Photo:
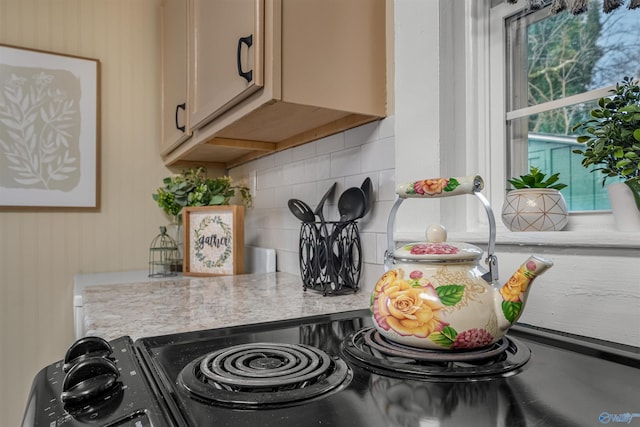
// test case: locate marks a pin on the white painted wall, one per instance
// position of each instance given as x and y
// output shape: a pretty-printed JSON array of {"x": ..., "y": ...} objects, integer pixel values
[{"x": 41, "y": 250}]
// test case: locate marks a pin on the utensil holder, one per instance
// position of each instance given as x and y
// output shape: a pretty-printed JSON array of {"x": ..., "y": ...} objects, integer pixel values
[{"x": 330, "y": 257}]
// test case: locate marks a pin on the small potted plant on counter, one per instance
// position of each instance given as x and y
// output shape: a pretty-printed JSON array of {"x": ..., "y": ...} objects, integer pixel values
[
  {"x": 535, "y": 203},
  {"x": 193, "y": 188},
  {"x": 612, "y": 145}
]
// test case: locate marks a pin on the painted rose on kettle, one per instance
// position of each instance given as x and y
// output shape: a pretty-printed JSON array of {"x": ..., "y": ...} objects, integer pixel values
[
  {"x": 431, "y": 186},
  {"x": 434, "y": 186},
  {"x": 408, "y": 307}
]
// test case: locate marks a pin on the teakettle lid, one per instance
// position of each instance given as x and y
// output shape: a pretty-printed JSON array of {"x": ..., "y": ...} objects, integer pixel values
[{"x": 438, "y": 249}]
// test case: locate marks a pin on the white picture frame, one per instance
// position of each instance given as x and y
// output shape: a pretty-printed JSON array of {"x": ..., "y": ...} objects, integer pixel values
[{"x": 49, "y": 129}]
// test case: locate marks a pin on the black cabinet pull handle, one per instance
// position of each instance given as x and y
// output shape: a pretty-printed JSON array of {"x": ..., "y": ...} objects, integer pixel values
[
  {"x": 248, "y": 75},
  {"x": 184, "y": 108}
]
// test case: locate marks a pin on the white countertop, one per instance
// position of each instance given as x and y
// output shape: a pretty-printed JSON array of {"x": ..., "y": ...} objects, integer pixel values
[
  {"x": 180, "y": 304},
  {"x": 82, "y": 281}
]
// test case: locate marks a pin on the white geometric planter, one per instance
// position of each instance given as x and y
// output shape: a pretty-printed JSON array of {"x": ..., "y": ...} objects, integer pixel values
[{"x": 535, "y": 209}]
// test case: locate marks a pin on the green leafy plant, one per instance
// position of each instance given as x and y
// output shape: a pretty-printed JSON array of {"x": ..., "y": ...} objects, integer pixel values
[
  {"x": 193, "y": 188},
  {"x": 613, "y": 133},
  {"x": 536, "y": 179}
]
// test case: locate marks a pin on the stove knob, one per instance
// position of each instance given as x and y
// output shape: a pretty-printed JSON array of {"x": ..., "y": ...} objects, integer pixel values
[
  {"x": 88, "y": 379},
  {"x": 85, "y": 348}
]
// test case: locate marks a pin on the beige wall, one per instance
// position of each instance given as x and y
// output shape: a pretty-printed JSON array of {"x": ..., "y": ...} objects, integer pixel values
[{"x": 41, "y": 251}]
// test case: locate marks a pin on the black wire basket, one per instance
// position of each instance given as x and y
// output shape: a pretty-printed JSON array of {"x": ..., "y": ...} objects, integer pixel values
[{"x": 330, "y": 257}]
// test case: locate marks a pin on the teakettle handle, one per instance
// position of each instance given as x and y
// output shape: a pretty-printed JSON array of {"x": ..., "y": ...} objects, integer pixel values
[
  {"x": 441, "y": 187},
  {"x": 445, "y": 187},
  {"x": 491, "y": 260}
]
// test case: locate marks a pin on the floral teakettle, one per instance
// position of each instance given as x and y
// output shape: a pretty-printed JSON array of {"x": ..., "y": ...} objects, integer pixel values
[{"x": 435, "y": 294}]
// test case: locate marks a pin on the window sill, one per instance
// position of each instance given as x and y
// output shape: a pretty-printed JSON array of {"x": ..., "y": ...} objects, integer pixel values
[{"x": 551, "y": 239}]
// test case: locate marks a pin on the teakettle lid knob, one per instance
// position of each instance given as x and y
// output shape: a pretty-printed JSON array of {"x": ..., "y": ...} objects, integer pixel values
[{"x": 436, "y": 233}]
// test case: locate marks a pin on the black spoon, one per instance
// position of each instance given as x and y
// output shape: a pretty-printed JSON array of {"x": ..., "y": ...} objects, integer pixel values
[
  {"x": 352, "y": 204},
  {"x": 367, "y": 189}
]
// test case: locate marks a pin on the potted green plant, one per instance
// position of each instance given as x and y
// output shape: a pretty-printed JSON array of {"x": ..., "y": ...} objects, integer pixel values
[
  {"x": 192, "y": 187},
  {"x": 612, "y": 146},
  {"x": 535, "y": 203}
]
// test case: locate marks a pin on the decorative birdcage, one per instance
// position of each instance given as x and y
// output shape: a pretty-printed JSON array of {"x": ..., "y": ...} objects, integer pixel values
[{"x": 163, "y": 254}]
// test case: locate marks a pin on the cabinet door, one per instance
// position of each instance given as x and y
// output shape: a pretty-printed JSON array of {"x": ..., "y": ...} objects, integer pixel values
[
  {"x": 227, "y": 63},
  {"x": 175, "y": 120}
]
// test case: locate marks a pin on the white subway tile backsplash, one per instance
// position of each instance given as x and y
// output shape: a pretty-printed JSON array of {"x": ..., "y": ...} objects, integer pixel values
[
  {"x": 289, "y": 223},
  {"x": 269, "y": 178},
  {"x": 282, "y": 195},
  {"x": 263, "y": 199},
  {"x": 283, "y": 157},
  {"x": 305, "y": 151},
  {"x": 293, "y": 172},
  {"x": 386, "y": 185},
  {"x": 307, "y": 192},
  {"x": 361, "y": 135},
  {"x": 379, "y": 155},
  {"x": 345, "y": 162},
  {"x": 263, "y": 163},
  {"x": 330, "y": 143},
  {"x": 377, "y": 217},
  {"x": 259, "y": 220},
  {"x": 310, "y": 169},
  {"x": 288, "y": 261},
  {"x": 369, "y": 243},
  {"x": 369, "y": 277},
  {"x": 386, "y": 128},
  {"x": 291, "y": 240},
  {"x": 279, "y": 218},
  {"x": 306, "y": 172},
  {"x": 323, "y": 167},
  {"x": 284, "y": 235}
]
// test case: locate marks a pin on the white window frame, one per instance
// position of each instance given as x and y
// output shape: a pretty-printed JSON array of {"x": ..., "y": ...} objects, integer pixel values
[{"x": 485, "y": 53}]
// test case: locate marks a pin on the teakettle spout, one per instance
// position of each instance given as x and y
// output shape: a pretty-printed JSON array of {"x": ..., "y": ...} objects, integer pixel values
[{"x": 513, "y": 294}]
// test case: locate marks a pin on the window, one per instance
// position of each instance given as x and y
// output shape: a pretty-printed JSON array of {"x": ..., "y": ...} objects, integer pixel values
[{"x": 556, "y": 68}]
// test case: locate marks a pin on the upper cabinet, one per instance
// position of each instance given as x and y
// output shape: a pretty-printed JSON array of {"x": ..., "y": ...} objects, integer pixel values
[
  {"x": 175, "y": 120},
  {"x": 266, "y": 75},
  {"x": 226, "y": 45}
]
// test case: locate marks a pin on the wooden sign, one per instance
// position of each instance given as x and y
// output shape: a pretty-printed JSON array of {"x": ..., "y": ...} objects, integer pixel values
[{"x": 213, "y": 240}]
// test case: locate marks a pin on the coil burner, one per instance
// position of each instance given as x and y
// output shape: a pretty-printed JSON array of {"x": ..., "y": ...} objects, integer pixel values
[
  {"x": 264, "y": 374},
  {"x": 371, "y": 350}
]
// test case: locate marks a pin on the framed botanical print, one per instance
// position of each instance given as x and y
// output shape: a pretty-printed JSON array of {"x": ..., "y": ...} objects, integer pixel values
[
  {"x": 49, "y": 129},
  {"x": 213, "y": 240}
]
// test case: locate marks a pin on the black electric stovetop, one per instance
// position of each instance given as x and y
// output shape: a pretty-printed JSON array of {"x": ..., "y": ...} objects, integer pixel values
[{"x": 333, "y": 370}]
